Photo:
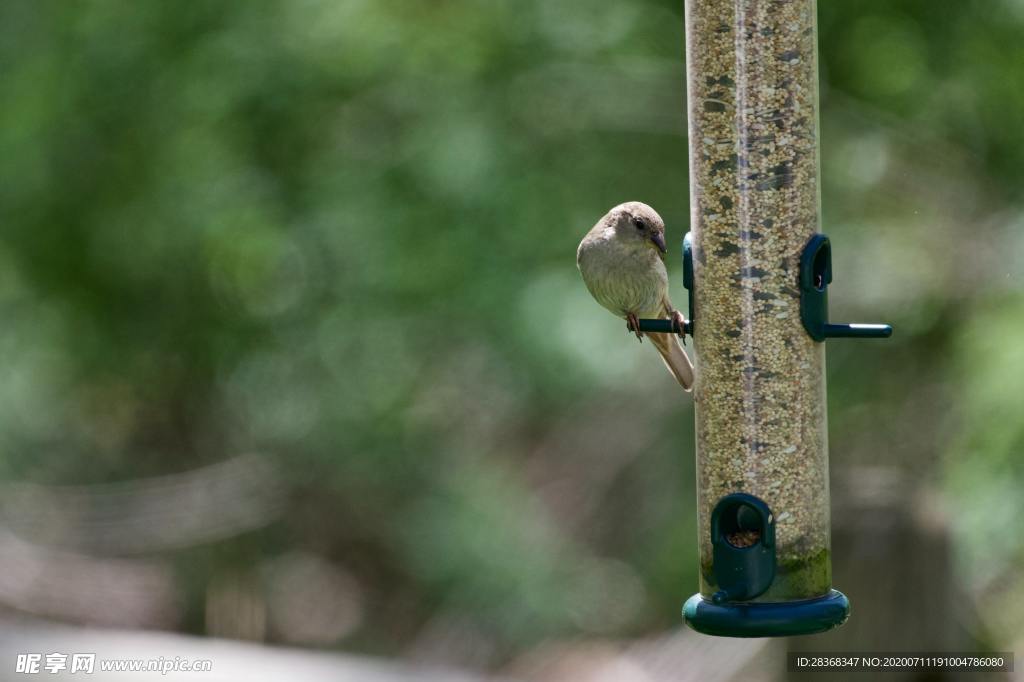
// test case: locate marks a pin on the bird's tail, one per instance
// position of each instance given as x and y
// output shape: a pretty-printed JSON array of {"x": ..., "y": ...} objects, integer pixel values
[{"x": 675, "y": 358}]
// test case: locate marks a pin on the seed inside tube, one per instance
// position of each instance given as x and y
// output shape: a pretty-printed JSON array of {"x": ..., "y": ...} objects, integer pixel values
[{"x": 760, "y": 403}]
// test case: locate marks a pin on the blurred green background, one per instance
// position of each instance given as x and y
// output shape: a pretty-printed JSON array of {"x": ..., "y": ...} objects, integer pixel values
[{"x": 294, "y": 349}]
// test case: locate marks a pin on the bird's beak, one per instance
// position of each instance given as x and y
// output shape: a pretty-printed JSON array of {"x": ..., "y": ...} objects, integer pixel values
[{"x": 659, "y": 241}]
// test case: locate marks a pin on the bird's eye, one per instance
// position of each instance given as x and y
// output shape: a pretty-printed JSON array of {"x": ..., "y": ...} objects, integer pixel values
[{"x": 638, "y": 223}]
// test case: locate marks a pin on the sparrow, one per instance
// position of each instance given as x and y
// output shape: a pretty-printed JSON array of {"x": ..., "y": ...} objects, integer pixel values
[{"x": 622, "y": 260}]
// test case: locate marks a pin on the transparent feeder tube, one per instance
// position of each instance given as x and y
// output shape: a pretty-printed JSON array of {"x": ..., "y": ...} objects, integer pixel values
[{"x": 760, "y": 393}]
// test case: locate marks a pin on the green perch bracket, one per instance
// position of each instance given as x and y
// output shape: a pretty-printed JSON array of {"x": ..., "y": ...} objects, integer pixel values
[
  {"x": 688, "y": 276},
  {"x": 670, "y": 326},
  {"x": 815, "y": 276}
]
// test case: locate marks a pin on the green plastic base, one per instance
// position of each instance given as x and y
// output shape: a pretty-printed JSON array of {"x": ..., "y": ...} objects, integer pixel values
[{"x": 776, "y": 619}]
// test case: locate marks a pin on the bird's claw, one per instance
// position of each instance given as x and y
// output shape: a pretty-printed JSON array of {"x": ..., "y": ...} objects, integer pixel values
[
  {"x": 633, "y": 325},
  {"x": 680, "y": 322}
]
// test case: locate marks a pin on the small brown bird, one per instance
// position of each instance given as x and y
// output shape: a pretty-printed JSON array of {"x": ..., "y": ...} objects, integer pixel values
[{"x": 622, "y": 260}]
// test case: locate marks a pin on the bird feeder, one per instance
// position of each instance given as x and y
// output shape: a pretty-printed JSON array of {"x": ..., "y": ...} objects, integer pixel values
[{"x": 757, "y": 270}]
